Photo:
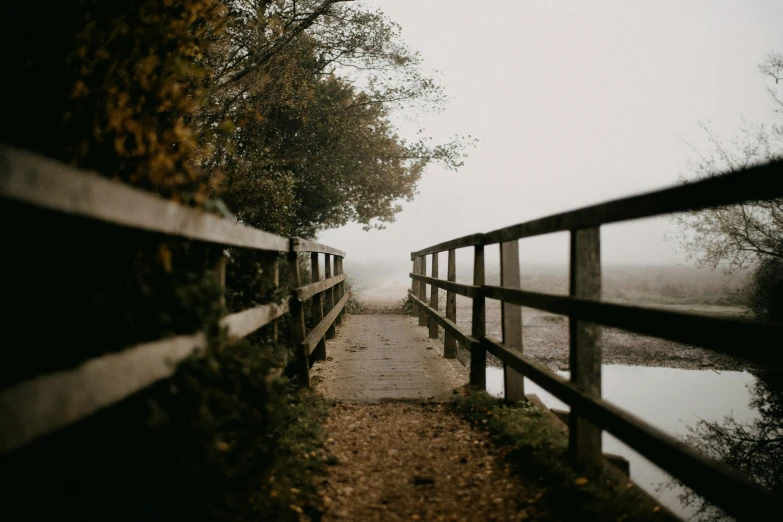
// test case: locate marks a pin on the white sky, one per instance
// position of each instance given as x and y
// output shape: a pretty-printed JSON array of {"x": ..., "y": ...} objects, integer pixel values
[{"x": 574, "y": 103}]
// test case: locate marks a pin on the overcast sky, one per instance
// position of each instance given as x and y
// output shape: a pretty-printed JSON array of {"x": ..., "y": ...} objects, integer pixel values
[{"x": 574, "y": 102}]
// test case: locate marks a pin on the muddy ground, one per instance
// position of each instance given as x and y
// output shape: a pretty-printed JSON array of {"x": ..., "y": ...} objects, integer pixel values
[{"x": 545, "y": 337}]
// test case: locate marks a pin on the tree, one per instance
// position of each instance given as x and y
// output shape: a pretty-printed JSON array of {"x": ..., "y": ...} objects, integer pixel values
[
  {"x": 738, "y": 237},
  {"x": 305, "y": 98}
]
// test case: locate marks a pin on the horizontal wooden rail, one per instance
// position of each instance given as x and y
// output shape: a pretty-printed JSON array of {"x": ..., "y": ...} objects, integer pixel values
[
  {"x": 304, "y": 245},
  {"x": 52, "y": 401},
  {"x": 242, "y": 324},
  {"x": 457, "y": 288},
  {"x": 52, "y": 185},
  {"x": 304, "y": 293},
  {"x": 711, "y": 479},
  {"x": 316, "y": 334},
  {"x": 750, "y": 340},
  {"x": 760, "y": 183},
  {"x": 446, "y": 323},
  {"x": 460, "y": 242}
]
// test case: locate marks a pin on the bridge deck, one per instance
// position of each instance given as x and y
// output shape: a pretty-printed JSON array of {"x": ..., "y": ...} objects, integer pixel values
[{"x": 386, "y": 357}]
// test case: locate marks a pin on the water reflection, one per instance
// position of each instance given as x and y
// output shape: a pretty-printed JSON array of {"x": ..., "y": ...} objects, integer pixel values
[{"x": 715, "y": 411}]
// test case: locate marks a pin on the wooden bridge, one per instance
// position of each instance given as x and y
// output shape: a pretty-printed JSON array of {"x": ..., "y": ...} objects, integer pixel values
[{"x": 386, "y": 357}]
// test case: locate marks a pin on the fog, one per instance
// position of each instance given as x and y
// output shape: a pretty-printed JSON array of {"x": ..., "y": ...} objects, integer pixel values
[{"x": 573, "y": 103}]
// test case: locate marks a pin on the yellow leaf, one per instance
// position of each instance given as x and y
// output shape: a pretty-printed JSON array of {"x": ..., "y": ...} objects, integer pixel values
[{"x": 581, "y": 481}]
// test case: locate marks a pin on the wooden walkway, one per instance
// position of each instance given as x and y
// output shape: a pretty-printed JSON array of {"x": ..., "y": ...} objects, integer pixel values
[{"x": 377, "y": 358}]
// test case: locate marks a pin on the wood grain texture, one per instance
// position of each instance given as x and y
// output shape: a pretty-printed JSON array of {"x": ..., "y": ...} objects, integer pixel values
[
  {"x": 49, "y": 402},
  {"x": 449, "y": 341},
  {"x": 304, "y": 245},
  {"x": 329, "y": 294},
  {"x": 434, "y": 298},
  {"x": 316, "y": 335},
  {"x": 478, "y": 355},
  {"x": 511, "y": 319},
  {"x": 55, "y": 186},
  {"x": 298, "y": 329},
  {"x": 584, "y": 442},
  {"x": 316, "y": 305}
]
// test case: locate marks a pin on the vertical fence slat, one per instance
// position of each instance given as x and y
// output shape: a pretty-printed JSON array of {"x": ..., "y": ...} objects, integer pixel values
[
  {"x": 422, "y": 291},
  {"x": 317, "y": 307},
  {"x": 338, "y": 288},
  {"x": 478, "y": 354},
  {"x": 328, "y": 294},
  {"x": 449, "y": 342},
  {"x": 415, "y": 288},
  {"x": 434, "y": 298},
  {"x": 298, "y": 331},
  {"x": 585, "y": 350},
  {"x": 511, "y": 319}
]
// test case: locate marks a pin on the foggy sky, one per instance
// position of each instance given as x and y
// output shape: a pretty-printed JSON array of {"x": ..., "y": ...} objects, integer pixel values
[{"x": 574, "y": 103}]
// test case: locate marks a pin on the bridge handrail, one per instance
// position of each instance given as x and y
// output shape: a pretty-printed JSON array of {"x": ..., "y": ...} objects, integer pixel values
[
  {"x": 759, "y": 183},
  {"x": 51, "y": 401},
  {"x": 755, "y": 341}
]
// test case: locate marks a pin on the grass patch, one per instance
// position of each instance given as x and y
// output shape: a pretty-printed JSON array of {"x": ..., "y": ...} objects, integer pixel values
[{"x": 537, "y": 450}]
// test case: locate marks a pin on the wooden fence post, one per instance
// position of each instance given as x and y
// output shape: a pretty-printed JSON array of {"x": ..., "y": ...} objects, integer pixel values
[
  {"x": 415, "y": 288},
  {"x": 423, "y": 291},
  {"x": 220, "y": 275},
  {"x": 585, "y": 351},
  {"x": 298, "y": 331},
  {"x": 329, "y": 293},
  {"x": 338, "y": 288},
  {"x": 449, "y": 342},
  {"x": 434, "y": 297},
  {"x": 317, "y": 307},
  {"x": 511, "y": 314},
  {"x": 271, "y": 274},
  {"x": 478, "y": 354}
]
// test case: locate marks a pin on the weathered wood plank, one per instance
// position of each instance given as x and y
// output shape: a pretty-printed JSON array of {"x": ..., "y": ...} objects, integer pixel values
[
  {"x": 317, "y": 333},
  {"x": 304, "y": 293},
  {"x": 329, "y": 294},
  {"x": 340, "y": 288},
  {"x": 49, "y": 402},
  {"x": 449, "y": 342},
  {"x": 304, "y": 245},
  {"x": 316, "y": 305},
  {"x": 751, "y": 340},
  {"x": 422, "y": 290},
  {"x": 434, "y": 297},
  {"x": 415, "y": 287},
  {"x": 760, "y": 183},
  {"x": 457, "y": 288},
  {"x": 242, "y": 324},
  {"x": 446, "y": 323},
  {"x": 711, "y": 479},
  {"x": 584, "y": 442},
  {"x": 460, "y": 242},
  {"x": 511, "y": 315},
  {"x": 55, "y": 186},
  {"x": 478, "y": 355},
  {"x": 298, "y": 330}
]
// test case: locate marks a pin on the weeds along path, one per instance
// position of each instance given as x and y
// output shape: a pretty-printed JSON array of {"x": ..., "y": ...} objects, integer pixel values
[{"x": 402, "y": 461}]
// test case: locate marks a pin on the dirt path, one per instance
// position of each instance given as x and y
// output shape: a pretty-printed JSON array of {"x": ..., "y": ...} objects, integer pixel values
[
  {"x": 382, "y": 357},
  {"x": 400, "y": 461}
]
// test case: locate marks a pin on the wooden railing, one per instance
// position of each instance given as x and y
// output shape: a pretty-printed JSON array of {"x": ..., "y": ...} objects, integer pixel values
[
  {"x": 46, "y": 403},
  {"x": 754, "y": 341}
]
